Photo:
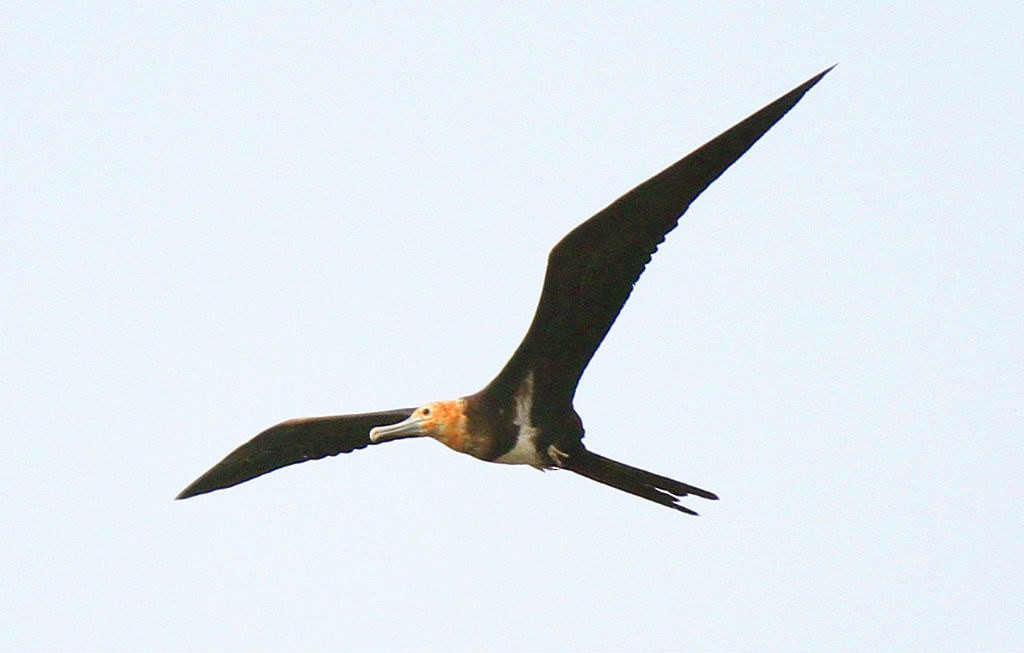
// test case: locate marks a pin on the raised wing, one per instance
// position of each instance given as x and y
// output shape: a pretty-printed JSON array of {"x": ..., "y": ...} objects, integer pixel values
[
  {"x": 591, "y": 272},
  {"x": 290, "y": 442}
]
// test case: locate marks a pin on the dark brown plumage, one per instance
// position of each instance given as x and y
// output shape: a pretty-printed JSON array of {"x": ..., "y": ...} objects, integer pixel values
[
  {"x": 292, "y": 441},
  {"x": 525, "y": 415}
]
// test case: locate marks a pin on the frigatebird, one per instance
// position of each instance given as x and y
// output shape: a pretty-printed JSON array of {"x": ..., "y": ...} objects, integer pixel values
[{"x": 526, "y": 415}]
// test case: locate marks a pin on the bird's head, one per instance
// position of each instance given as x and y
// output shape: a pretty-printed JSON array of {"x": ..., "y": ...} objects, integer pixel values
[{"x": 445, "y": 421}]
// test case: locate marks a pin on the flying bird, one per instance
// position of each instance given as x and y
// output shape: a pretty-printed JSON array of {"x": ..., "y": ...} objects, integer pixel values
[{"x": 525, "y": 415}]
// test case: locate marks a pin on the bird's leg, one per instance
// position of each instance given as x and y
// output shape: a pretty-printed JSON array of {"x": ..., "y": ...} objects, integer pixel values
[{"x": 557, "y": 455}]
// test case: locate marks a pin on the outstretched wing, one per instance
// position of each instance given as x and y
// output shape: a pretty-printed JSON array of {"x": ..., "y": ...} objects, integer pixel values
[
  {"x": 290, "y": 442},
  {"x": 591, "y": 272}
]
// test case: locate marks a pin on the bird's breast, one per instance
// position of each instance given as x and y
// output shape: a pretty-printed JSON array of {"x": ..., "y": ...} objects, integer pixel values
[{"x": 524, "y": 452}]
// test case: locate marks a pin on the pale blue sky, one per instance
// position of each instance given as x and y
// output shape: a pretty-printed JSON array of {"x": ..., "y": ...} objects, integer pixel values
[{"x": 216, "y": 219}]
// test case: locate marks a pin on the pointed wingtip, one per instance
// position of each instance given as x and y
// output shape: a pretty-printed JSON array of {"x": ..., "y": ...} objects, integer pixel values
[
  {"x": 208, "y": 482},
  {"x": 186, "y": 493},
  {"x": 817, "y": 78},
  {"x": 806, "y": 86}
]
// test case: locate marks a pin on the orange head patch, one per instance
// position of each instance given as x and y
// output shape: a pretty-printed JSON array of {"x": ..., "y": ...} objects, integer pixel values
[{"x": 445, "y": 421}]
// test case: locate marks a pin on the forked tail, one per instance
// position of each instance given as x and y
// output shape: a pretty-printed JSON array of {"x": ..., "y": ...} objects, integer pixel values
[{"x": 652, "y": 487}]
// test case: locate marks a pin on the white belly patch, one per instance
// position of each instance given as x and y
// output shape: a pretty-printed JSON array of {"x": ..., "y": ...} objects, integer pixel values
[{"x": 525, "y": 451}]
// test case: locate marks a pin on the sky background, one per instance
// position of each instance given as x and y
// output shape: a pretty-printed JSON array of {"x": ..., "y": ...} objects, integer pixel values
[{"x": 218, "y": 217}]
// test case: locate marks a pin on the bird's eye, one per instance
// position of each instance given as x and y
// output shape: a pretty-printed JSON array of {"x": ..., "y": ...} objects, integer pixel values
[{"x": 425, "y": 411}]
